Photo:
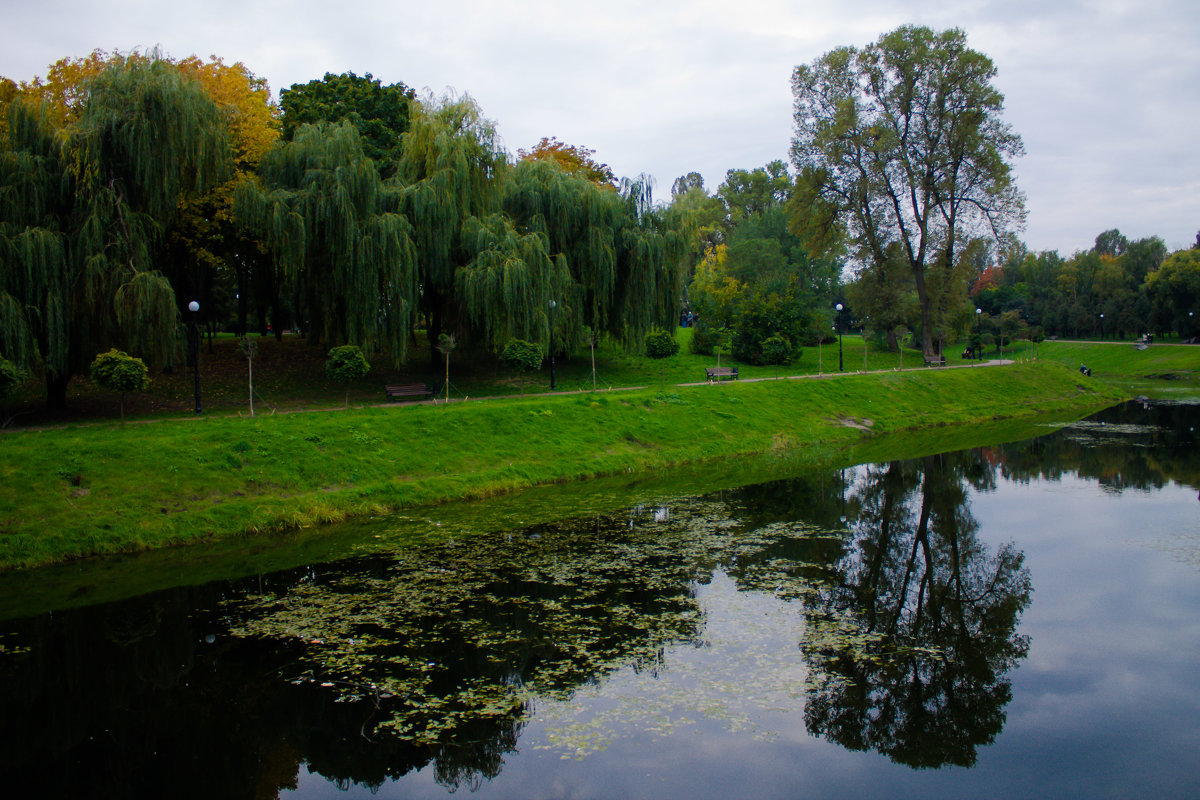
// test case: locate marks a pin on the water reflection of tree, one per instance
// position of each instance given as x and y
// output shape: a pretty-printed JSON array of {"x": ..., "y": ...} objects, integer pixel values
[
  {"x": 911, "y": 648},
  {"x": 368, "y": 670},
  {"x": 363, "y": 671},
  {"x": 133, "y": 700},
  {"x": 1135, "y": 445}
]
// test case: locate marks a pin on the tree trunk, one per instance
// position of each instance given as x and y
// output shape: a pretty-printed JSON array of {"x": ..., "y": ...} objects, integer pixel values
[
  {"x": 926, "y": 304},
  {"x": 243, "y": 301},
  {"x": 56, "y": 391}
]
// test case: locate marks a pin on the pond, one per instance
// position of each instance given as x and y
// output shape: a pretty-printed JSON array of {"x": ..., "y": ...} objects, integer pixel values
[{"x": 1019, "y": 620}]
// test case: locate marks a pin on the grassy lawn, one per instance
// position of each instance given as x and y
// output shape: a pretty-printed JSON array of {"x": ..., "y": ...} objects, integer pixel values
[
  {"x": 80, "y": 484},
  {"x": 70, "y": 491},
  {"x": 1166, "y": 371},
  {"x": 289, "y": 374}
]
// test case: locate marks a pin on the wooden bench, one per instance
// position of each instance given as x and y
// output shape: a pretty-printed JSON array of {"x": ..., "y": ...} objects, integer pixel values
[
  {"x": 717, "y": 373},
  {"x": 421, "y": 390},
  {"x": 936, "y": 362}
]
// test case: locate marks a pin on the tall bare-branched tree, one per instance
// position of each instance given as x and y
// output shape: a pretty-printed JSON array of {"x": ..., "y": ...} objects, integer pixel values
[{"x": 903, "y": 143}]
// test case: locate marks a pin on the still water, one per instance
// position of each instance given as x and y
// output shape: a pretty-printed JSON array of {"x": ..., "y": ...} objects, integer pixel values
[{"x": 1021, "y": 620}]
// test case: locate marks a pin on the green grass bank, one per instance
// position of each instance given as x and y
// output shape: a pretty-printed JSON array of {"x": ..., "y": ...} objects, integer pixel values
[
  {"x": 73, "y": 492},
  {"x": 1164, "y": 371}
]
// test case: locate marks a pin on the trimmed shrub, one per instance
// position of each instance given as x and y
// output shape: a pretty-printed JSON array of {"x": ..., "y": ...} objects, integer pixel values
[
  {"x": 661, "y": 344},
  {"x": 346, "y": 364},
  {"x": 776, "y": 350},
  {"x": 522, "y": 356},
  {"x": 120, "y": 372}
]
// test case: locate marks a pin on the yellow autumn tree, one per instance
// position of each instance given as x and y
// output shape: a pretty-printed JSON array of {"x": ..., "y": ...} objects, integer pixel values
[
  {"x": 573, "y": 160},
  {"x": 714, "y": 295},
  {"x": 209, "y": 259},
  {"x": 63, "y": 89},
  {"x": 202, "y": 254}
]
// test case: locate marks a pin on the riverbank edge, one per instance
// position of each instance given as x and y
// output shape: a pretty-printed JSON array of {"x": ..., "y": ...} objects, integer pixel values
[{"x": 121, "y": 489}]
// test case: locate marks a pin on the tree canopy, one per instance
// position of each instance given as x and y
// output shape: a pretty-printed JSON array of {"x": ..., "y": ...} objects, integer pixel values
[
  {"x": 86, "y": 198},
  {"x": 903, "y": 143},
  {"x": 570, "y": 158},
  {"x": 131, "y": 183},
  {"x": 758, "y": 283},
  {"x": 381, "y": 114},
  {"x": 336, "y": 230}
]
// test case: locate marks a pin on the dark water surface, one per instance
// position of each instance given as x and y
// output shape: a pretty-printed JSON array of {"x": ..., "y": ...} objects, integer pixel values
[{"x": 1020, "y": 620}]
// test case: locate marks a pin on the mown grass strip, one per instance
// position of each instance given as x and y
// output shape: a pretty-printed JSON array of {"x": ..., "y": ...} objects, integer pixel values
[
  {"x": 1169, "y": 371},
  {"x": 69, "y": 493}
]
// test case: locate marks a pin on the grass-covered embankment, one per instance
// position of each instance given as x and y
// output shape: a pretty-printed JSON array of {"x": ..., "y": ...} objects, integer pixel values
[
  {"x": 72, "y": 492},
  {"x": 1167, "y": 371}
]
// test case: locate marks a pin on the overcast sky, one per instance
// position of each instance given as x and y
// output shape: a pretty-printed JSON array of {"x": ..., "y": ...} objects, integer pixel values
[{"x": 1106, "y": 94}]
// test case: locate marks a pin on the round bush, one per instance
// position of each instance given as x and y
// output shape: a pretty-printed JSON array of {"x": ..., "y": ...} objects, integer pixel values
[
  {"x": 521, "y": 355},
  {"x": 661, "y": 344},
  {"x": 120, "y": 372},
  {"x": 346, "y": 363},
  {"x": 776, "y": 350}
]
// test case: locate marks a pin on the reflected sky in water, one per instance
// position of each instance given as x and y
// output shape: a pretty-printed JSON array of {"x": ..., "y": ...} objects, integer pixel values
[{"x": 1104, "y": 704}]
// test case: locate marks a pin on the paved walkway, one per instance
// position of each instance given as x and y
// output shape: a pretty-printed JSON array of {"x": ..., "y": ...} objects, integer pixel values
[
  {"x": 996, "y": 362},
  {"x": 823, "y": 376}
]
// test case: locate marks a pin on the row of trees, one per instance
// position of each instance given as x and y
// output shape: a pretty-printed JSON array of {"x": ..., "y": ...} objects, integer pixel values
[
  {"x": 362, "y": 214},
  {"x": 754, "y": 283},
  {"x": 904, "y": 177},
  {"x": 1116, "y": 289},
  {"x": 131, "y": 184}
]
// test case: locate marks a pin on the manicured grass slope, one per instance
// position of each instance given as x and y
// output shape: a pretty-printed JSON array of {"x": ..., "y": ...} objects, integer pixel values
[
  {"x": 71, "y": 492},
  {"x": 1160, "y": 370},
  {"x": 289, "y": 374}
]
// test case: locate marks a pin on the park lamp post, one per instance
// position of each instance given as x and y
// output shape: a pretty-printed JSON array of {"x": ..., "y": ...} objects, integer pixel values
[
  {"x": 839, "y": 327},
  {"x": 865, "y": 345},
  {"x": 1102, "y": 327},
  {"x": 979, "y": 334},
  {"x": 553, "y": 382},
  {"x": 194, "y": 307}
]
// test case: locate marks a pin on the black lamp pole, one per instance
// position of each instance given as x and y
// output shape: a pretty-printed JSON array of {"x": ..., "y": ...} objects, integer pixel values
[
  {"x": 979, "y": 334},
  {"x": 194, "y": 307},
  {"x": 839, "y": 327},
  {"x": 552, "y": 375}
]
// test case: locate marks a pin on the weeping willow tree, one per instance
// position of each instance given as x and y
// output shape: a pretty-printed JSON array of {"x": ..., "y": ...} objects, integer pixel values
[
  {"x": 84, "y": 201},
  {"x": 336, "y": 230},
  {"x": 507, "y": 286},
  {"x": 621, "y": 256},
  {"x": 649, "y": 277},
  {"x": 579, "y": 221},
  {"x": 451, "y": 169},
  {"x": 34, "y": 208}
]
